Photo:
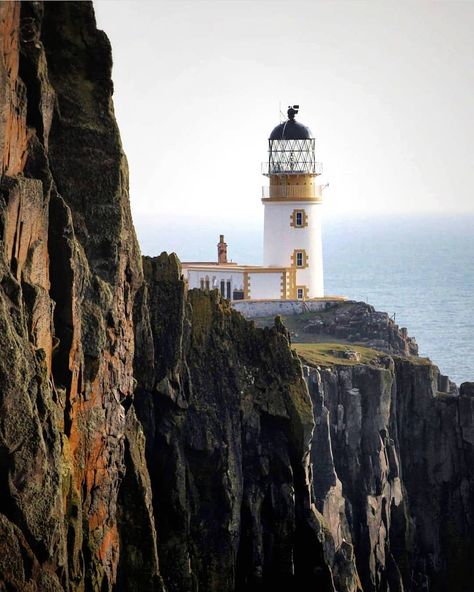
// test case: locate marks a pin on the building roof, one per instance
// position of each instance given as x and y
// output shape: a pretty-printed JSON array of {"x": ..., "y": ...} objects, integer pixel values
[
  {"x": 291, "y": 130},
  {"x": 233, "y": 267}
]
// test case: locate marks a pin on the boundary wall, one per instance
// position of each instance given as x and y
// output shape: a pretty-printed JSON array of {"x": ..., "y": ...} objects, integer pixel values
[{"x": 267, "y": 308}]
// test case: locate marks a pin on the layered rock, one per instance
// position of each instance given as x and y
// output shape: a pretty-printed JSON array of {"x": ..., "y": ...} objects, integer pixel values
[
  {"x": 13, "y": 103},
  {"x": 228, "y": 423},
  {"x": 69, "y": 267},
  {"x": 393, "y": 473}
]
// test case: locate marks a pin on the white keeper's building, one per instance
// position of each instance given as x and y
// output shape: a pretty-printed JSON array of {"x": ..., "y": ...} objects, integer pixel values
[{"x": 292, "y": 249}]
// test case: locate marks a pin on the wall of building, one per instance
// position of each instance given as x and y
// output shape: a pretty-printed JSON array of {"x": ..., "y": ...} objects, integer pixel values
[
  {"x": 270, "y": 308},
  {"x": 264, "y": 285},
  {"x": 281, "y": 239},
  {"x": 251, "y": 283}
]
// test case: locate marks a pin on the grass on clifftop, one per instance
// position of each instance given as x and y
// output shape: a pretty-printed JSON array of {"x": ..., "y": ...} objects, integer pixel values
[{"x": 331, "y": 354}]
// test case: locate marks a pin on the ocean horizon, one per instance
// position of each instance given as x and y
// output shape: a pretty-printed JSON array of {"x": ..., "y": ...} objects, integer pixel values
[{"x": 418, "y": 268}]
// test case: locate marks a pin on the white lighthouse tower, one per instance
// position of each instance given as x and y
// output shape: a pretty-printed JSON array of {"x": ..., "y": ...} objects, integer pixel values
[
  {"x": 292, "y": 201},
  {"x": 292, "y": 252}
]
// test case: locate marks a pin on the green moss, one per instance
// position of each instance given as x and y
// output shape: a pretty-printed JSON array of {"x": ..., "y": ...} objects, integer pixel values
[
  {"x": 202, "y": 315},
  {"x": 417, "y": 361},
  {"x": 300, "y": 400}
]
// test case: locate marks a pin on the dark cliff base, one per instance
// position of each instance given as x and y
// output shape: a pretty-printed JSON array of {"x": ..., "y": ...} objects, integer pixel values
[{"x": 152, "y": 439}]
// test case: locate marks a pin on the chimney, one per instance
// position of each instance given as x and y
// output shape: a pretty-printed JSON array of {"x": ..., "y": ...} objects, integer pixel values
[{"x": 221, "y": 250}]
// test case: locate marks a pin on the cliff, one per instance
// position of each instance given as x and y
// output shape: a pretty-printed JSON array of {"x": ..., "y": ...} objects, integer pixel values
[
  {"x": 393, "y": 473},
  {"x": 228, "y": 422},
  {"x": 69, "y": 269},
  {"x": 150, "y": 437}
]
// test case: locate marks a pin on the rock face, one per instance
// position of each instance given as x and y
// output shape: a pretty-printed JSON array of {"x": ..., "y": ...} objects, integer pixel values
[
  {"x": 69, "y": 269},
  {"x": 228, "y": 423},
  {"x": 152, "y": 439},
  {"x": 393, "y": 473}
]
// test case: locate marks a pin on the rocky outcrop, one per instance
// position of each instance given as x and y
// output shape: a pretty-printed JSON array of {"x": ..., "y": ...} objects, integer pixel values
[
  {"x": 69, "y": 269},
  {"x": 228, "y": 422},
  {"x": 355, "y": 322},
  {"x": 393, "y": 473}
]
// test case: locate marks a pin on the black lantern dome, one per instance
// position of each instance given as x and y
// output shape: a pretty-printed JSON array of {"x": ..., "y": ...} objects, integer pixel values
[
  {"x": 291, "y": 148},
  {"x": 291, "y": 130}
]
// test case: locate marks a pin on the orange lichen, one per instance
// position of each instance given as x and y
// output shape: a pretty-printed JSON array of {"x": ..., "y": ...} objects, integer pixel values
[{"x": 13, "y": 135}]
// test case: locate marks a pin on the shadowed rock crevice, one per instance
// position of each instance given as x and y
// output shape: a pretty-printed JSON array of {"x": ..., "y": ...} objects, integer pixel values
[
  {"x": 62, "y": 292},
  {"x": 30, "y": 23}
]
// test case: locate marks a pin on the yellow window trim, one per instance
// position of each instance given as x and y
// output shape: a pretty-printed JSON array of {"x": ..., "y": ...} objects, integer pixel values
[
  {"x": 294, "y": 259},
  {"x": 305, "y": 292}
]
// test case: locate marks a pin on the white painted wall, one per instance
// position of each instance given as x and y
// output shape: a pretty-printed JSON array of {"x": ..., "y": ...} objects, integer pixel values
[
  {"x": 265, "y": 285},
  {"x": 261, "y": 285},
  {"x": 280, "y": 240}
]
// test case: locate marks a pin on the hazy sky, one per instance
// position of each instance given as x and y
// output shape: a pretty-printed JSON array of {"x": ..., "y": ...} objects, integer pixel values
[{"x": 386, "y": 87}]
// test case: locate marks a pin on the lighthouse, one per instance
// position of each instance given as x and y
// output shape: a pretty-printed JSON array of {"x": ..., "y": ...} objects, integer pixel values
[
  {"x": 292, "y": 203},
  {"x": 292, "y": 267}
]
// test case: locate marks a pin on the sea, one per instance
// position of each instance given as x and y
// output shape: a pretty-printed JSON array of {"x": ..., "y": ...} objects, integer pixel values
[{"x": 419, "y": 269}]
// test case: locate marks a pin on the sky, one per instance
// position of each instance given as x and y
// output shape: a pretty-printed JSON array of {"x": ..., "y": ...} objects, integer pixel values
[{"x": 386, "y": 88}]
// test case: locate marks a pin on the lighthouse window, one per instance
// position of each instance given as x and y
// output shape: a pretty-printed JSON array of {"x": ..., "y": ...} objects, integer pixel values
[
  {"x": 223, "y": 288},
  {"x": 299, "y": 258},
  {"x": 202, "y": 283},
  {"x": 207, "y": 283},
  {"x": 228, "y": 290},
  {"x": 300, "y": 293},
  {"x": 298, "y": 219}
]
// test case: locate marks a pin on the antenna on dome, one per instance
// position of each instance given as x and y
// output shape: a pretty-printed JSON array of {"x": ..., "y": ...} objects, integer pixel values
[{"x": 282, "y": 115}]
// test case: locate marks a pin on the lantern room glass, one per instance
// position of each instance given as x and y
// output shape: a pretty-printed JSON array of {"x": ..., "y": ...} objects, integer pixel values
[{"x": 292, "y": 157}]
